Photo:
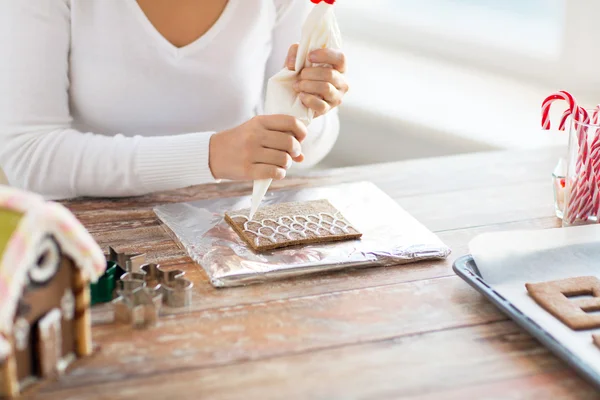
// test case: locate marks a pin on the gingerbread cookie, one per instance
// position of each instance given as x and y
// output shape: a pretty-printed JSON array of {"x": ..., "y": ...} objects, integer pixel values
[
  {"x": 554, "y": 297},
  {"x": 290, "y": 224}
]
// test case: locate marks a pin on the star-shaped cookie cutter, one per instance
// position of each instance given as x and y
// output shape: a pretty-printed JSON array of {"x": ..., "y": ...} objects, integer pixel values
[{"x": 176, "y": 290}]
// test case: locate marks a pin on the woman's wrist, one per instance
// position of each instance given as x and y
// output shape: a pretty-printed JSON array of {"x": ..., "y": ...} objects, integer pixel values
[{"x": 214, "y": 162}]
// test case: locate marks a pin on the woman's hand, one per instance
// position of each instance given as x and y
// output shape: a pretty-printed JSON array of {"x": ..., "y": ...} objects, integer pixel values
[
  {"x": 261, "y": 148},
  {"x": 321, "y": 88}
]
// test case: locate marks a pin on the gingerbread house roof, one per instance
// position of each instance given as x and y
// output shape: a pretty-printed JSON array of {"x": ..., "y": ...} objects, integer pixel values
[{"x": 33, "y": 219}]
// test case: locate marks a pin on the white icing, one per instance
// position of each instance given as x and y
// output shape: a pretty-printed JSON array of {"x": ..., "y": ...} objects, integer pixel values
[
  {"x": 298, "y": 225},
  {"x": 49, "y": 328},
  {"x": 4, "y": 349},
  {"x": 21, "y": 333},
  {"x": 258, "y": 193},
  {"x": 46, "y": 267},
  {"x": 67, "y": 305}
]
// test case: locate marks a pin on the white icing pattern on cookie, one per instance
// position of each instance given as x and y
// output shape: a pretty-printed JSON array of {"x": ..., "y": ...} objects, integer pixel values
[{"x": 299, "y": 225}]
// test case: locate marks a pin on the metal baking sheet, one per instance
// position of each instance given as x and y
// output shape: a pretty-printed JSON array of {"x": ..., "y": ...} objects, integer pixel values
[
  {"x": 391, "y": 236},
  {"x": 466, "y": 268}
]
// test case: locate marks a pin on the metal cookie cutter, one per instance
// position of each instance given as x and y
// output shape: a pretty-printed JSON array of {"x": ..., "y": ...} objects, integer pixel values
[
  {"x": 129, "y": 262},
  {"x": 176, "y": 290},
  {"x": 137, "y": 304}
]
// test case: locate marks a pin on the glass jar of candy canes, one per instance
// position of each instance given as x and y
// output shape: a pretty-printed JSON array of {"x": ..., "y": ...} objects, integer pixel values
[
  {"x": 582, "y": 189},
  {"x": 577, "y": 193}
]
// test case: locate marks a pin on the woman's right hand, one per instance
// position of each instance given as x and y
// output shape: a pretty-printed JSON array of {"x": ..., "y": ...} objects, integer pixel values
[{"x": 262, "y": 148}]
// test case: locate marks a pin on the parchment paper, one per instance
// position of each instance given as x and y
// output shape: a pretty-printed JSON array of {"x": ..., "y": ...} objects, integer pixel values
[
  {"x": 509, "y": 260},
  {"x": 390, "y": 236}
]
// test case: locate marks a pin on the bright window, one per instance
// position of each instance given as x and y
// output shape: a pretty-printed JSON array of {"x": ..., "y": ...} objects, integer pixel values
[{"x": 554, "y": 42}]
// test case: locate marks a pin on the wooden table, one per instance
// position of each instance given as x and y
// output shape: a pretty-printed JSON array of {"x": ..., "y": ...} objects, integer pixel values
[{"x": 400, "y": 332}]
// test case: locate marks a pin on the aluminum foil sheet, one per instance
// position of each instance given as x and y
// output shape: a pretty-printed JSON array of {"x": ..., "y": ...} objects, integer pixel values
[{"x": 390, "y": 236}]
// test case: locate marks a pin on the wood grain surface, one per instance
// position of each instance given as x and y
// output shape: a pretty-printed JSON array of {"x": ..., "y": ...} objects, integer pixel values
[{"x": 413, "y": 331}]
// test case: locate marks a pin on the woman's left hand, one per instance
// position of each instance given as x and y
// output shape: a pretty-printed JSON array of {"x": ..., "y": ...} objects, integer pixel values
[{"x": 321, "y": 88}]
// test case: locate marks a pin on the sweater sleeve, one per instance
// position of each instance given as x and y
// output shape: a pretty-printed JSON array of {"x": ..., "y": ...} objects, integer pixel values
[
  {"x": 39, "y": 151},
  {"x": 324, "y": 130}
]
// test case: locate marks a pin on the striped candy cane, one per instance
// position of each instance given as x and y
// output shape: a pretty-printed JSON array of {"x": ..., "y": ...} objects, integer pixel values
[
  {"x": 593, "y": 208},
  {"x": 595, "y": 157},
  {"x": 563, "y": 120},
  {"x": 585, "y": 195},
  {"x": 562, "y": 95}
]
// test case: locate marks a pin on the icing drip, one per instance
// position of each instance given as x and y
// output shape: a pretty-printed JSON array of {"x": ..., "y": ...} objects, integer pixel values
[{"x": 298, "y": 225}]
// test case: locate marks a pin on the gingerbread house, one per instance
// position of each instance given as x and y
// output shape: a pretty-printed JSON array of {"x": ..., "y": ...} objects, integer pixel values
[{"x": 47, "y": 260}]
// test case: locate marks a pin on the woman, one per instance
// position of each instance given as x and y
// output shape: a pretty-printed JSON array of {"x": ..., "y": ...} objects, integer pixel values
[{"x": 126, "y": 97}]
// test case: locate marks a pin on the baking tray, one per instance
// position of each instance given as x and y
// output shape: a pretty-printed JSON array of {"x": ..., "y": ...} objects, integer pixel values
[{"x": 466, "y": 268}]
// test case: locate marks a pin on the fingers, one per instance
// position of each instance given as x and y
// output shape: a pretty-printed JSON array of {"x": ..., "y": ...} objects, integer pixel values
[
  {"x": 265, "y": 171},
  {"x": 290, "y": 61},
  {"x": 285, "y": 123},
  {"x": 300, "y": 158},
  {"x": 272, "y": 145},
  {"x": 325, "y": 90},
  {"x": 322, "y": 88},
  {"x": 281, "y": 141},
  {"x": 333, "y": 57},
  {"x": 317, "y": 104},
  {"x": 324, "y": 74},
  {"x": 273, "y": 157}
]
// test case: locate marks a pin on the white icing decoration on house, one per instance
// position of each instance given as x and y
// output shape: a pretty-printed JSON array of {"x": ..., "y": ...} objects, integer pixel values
[
  {"x": 4, "y": 349},
  {"x": 67, "y": 304},
  {"x": 48, "y": 321},
  {"x": 299, "y": 225},
  {"x": 42, "y": 271},
  {"x": 51, "y": 322},
  {"x": 64, "y": 362},
  {"x": 21, "y": 329}
]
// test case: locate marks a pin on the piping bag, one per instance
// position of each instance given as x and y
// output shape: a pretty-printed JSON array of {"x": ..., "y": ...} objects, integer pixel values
[{"x": 320, "y": 30}]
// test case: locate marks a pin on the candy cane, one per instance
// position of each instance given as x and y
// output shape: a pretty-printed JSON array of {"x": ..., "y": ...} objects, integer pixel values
[
  {"x": 592, "y": 208},
  {"x": 584, "y": 195},
  {"x": 595, "y": 157},
  {"x": 562, "y": 95},
  {"x": 595, "y": 114},
  {"x": 573, "y": 108},
  {"x": 563, "y": 120}
]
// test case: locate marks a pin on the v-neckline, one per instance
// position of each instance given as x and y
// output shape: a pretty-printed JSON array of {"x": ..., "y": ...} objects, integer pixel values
[{"x": 178, "y": 52}]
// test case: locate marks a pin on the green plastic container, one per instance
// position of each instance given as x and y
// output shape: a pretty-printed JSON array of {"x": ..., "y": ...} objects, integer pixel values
[{"x": 103, "y": 290}]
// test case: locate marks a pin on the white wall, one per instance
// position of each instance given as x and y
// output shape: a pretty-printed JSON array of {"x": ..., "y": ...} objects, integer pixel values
[
  {"x": 402, "y": 106},
  {"x": 368, "y": 138}
]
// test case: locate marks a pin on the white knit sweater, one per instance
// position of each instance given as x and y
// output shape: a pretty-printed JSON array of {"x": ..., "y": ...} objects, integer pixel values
[{"x": 95, "y": 102}]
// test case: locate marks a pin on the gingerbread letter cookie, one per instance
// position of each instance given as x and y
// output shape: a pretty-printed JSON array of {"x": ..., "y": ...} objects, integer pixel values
[
  {"x": 289, "y": 224},
  {"x": 554, "y": 298}
]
